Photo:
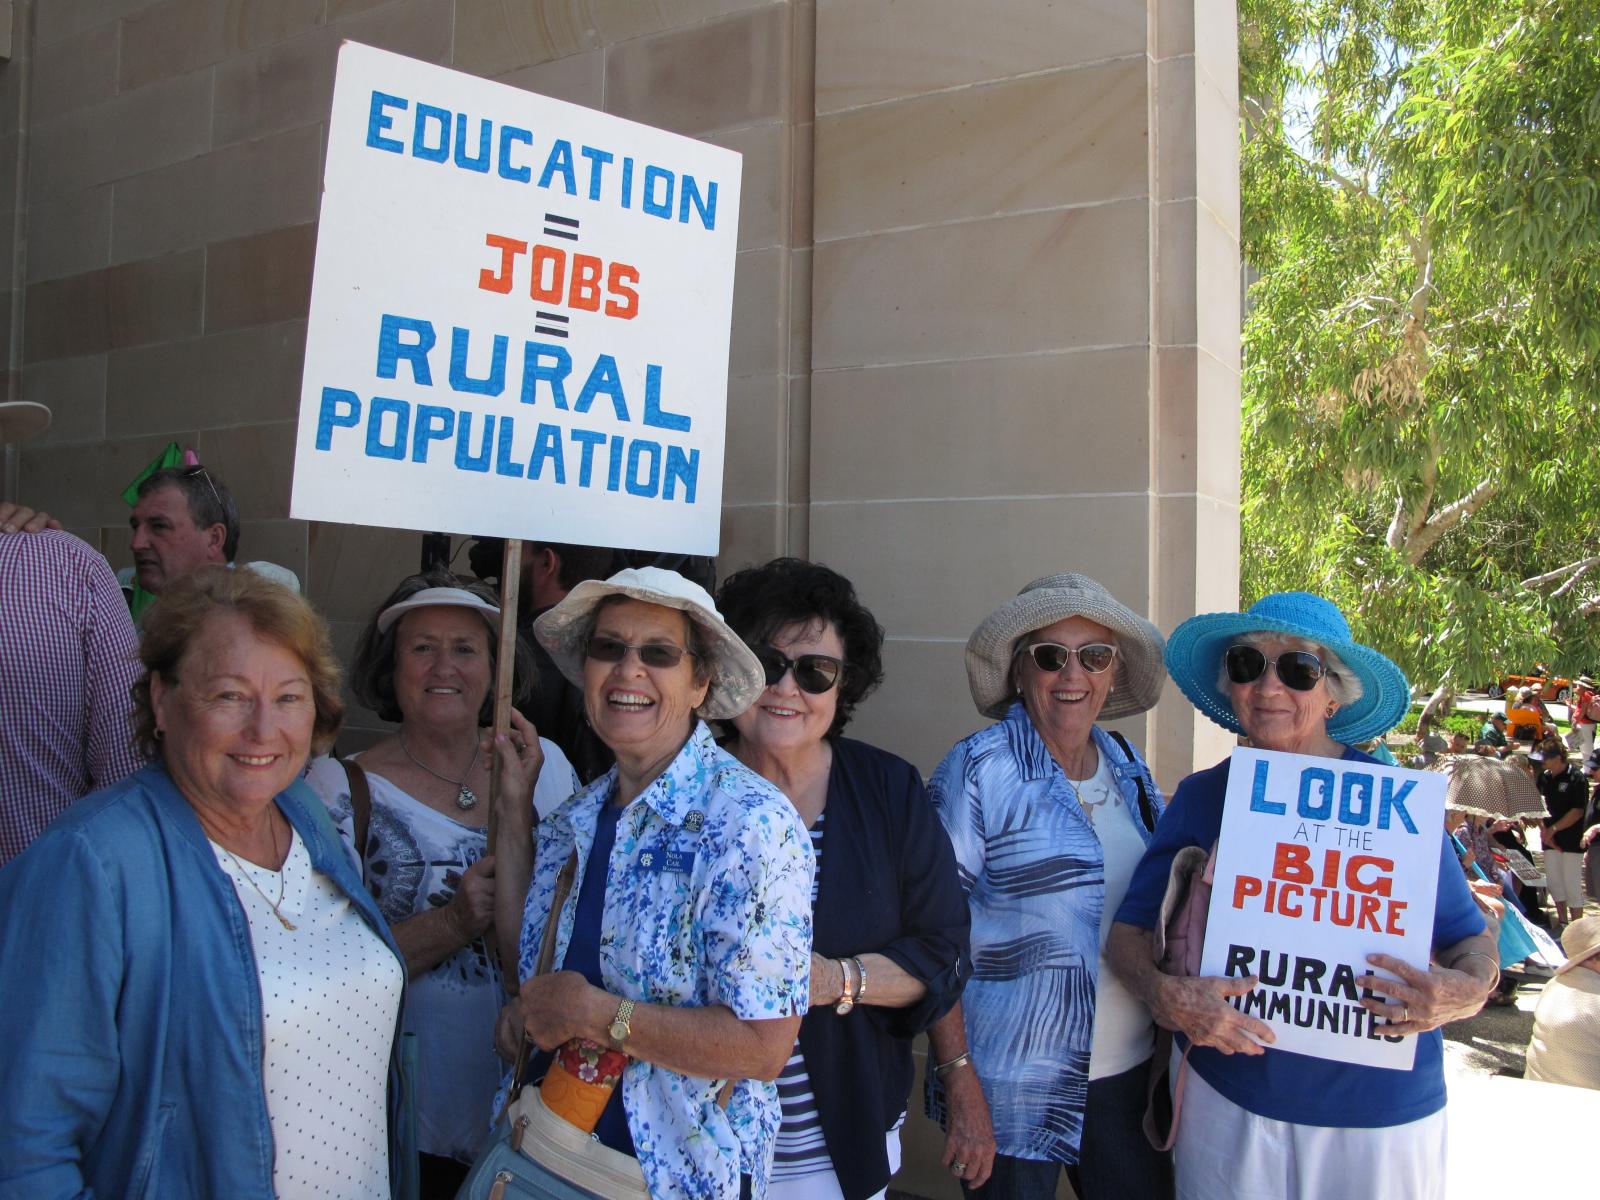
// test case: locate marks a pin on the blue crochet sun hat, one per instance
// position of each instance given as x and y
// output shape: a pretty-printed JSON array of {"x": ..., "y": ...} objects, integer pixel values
[{"x": 1195, "y": 649}]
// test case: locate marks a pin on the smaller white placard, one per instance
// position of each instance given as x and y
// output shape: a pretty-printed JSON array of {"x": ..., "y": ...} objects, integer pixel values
[{"x": 1320, "y": 863}]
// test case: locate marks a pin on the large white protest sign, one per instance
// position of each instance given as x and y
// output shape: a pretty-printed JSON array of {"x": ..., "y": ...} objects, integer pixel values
[
  {"x": 1320, "y": 863},
  {"x": 519, "y": 318}
]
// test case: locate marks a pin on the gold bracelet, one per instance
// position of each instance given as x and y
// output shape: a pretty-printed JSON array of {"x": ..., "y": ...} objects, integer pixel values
[
  {"x": 1493, "y": 983},
  {"x": 961, "y": 1060}
]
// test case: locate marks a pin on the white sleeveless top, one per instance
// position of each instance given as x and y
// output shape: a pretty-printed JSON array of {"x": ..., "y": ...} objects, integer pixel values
[{"x": 330, "y": 998}]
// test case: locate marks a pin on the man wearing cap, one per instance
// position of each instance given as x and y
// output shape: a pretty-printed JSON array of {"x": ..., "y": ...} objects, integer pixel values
[
  {"x": 1565, "y": 1047},
  {"x": 67, "y": 665},
  {"x": 1494, "y": 731},
  {"x": 1566, "y": 799}
]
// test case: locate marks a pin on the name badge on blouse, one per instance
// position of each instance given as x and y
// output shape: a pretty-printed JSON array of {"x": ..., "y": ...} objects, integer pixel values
[{"x": 677, "y": 862}]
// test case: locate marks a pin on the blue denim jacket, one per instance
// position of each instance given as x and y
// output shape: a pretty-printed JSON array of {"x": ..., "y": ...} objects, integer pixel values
[{"x": 130, "y": 1012}]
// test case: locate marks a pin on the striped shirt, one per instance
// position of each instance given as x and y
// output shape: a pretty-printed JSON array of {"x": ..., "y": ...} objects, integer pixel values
[
  {"x": 68, "y": 657},
  {"x": 800, "y": 1148}
]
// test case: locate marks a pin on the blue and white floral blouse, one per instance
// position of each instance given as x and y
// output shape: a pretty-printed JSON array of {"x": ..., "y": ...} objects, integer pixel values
[
  {"x": 708, "y": 902},
  {"x": 1034, "y": 875}
]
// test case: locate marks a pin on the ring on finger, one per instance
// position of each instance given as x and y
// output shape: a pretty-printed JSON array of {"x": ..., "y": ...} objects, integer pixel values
[{"x": 958, "y": 1168}]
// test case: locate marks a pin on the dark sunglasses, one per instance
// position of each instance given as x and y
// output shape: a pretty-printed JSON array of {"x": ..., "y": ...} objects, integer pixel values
[
  {"x": 1095, "y": 658},
  {"x": 1298, "y": 669},
  {"x": 661, "y": 655},
  {"x": 814, "y": 673}
]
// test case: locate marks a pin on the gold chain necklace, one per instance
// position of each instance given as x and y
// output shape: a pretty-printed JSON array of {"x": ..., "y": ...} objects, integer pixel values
[{"x": 283, "y": 878}]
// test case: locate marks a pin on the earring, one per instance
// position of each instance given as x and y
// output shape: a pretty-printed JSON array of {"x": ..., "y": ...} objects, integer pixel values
[
  {"x": 160, "y": 733},
  {"x": 1332, "y": 708}
]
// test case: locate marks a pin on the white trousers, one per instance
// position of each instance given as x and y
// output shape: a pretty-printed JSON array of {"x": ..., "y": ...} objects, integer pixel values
[
  {"x": 1563, "y": 871},
  {"x": 1226, "y": 1153}
]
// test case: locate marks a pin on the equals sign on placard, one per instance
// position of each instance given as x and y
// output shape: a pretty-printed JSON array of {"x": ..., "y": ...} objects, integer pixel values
[
  {"x": 561, "y": 227},
  {"x": 554, "y": 330}
]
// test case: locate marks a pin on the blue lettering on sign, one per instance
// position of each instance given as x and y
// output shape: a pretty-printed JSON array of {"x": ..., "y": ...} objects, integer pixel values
[
  {"x": 340, "y": 409},
  {"x": 604, "y": 380},
  {"x": 648, "y": 483},
  {"x": 560, "y": 163},
  {"x": 1355, "y": 798},
  {"x": 378, "y": 121},
  {"x": 662, "y": 206},
  {"x": 435, "y": 423},
  {"x": 395, "y": 447},
  {"x": 535, "y": 368},
  {"x": 472, "y": 143},
  {"x": 480, "y": 161},
  {"x": 1258, "y": 792},
  {"x": 1354, "y": 788},
  {"x": 1319, "y": 779},
  {"x": 509, "y": 134},
  {"x": 465, "y": 459},
  {"x": 490, "y": 385},
  {"x": 547, "y": 449},
  {"x": 654, "y": 414},
  {"x": 420, "y": 145},
  {"x": 502, "y": 463},
  {"x": 597, "y": 160},
  {"x": 391, "y": 349},
  {"x": 1391, "y": 802},
  {"x": 588, "y": 439},
  {"x": 682, "y": 467}
]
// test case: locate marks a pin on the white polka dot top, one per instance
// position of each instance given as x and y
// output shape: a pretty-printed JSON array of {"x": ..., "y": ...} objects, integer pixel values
[{"x": 330, "y": 996}]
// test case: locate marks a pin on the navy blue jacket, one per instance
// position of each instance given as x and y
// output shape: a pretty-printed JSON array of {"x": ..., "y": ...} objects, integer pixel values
[
  {"x": 887, "y": 885},
  {"x": 130, "y": 1010}
]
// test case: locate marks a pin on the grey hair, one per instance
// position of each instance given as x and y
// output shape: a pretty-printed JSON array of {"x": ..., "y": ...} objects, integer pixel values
[{"x": 1344, "y": 687}]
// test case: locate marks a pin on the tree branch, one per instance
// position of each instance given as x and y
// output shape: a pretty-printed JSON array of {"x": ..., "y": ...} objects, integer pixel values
[
  {"x": 1571, "y": 583},
  {"x": 1447, "y": 518},
  {"x": 1583, "y": 564}
]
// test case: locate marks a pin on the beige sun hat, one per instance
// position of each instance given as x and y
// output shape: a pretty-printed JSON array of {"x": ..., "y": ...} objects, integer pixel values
[
  {"x": 1579, "y": 940},
  {"x": 22, "y": 419},
  {"x": 737, "y": 677},
  {"x": 1055, "y": 598}
]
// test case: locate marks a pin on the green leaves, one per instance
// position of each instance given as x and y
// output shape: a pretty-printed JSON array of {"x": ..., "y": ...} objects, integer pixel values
[{"x": 1421, "y": 202}]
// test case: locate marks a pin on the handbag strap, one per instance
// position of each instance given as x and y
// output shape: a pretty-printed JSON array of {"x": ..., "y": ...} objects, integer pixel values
[
  {"x": 1147, "y": 812},
  {"x": 360, "y": 806},
  {"x": 547, "y": 954},
  {"x": 1159, "y": 1065}
]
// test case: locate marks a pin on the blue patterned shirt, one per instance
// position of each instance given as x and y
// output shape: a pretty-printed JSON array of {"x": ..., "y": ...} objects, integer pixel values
[
  {"x": 708, "y": 902},
  {"x": 1033, "y": 872}
]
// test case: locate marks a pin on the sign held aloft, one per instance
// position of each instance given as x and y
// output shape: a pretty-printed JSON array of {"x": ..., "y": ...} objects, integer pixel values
[
  {"x": 1320, "y": 863},
  {"x": 519, "y": 317}
]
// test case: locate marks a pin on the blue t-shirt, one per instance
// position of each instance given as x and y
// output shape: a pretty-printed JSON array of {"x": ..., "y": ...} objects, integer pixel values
[
  {"x": 583, "y": 956},
  {"x": 1278, "y": 1084}
]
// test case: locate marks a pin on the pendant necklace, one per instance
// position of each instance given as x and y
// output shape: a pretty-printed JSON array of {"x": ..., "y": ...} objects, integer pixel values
[
  {"x": 465, "y": 796},
  {"x": 283, "y": 878}
]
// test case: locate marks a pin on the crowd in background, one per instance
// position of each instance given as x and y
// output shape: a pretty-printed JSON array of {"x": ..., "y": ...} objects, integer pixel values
[{"x": 240, "y": 962}]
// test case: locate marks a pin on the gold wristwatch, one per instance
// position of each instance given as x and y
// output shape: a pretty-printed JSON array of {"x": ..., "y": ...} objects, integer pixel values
[{"x": 620, "y": 1029}]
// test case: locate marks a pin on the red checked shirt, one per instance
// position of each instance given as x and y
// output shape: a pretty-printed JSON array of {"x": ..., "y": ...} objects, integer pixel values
[{"x": 68, "y": 657}]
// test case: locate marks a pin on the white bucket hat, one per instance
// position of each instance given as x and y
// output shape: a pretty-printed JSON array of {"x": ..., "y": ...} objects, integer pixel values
[
  {"x": 736, "y": 675},
  {"x": 1055, "y": 598},
  {"x": 440, "y": 597}
]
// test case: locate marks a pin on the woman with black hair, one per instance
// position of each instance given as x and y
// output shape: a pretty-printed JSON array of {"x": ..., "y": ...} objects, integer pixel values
[{"x": 890, "y": 923}]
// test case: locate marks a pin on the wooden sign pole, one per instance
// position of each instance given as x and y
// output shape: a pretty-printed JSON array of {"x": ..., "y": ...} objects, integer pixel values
[{"x": 505, "y": 667}]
